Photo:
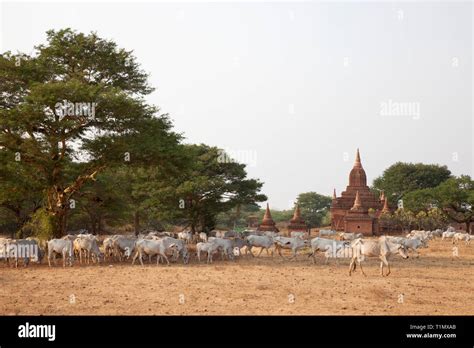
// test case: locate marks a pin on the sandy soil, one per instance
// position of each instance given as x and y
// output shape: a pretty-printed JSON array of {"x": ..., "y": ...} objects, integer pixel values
[{"x": 432, "y": 284}]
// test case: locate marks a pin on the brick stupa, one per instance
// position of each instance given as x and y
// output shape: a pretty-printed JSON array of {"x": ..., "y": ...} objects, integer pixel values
[
  {"x": 358, "y": 220},
  {"x": 386, "y": 208},
  {"x": 297, "y": 223},
  {"x": 267, "y": 223}
]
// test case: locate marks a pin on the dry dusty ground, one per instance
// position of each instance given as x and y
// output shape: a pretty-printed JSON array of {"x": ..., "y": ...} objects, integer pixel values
[{"x": 432, "y": 284}]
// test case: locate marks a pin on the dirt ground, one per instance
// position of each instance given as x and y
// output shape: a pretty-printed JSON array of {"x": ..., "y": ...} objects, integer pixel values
[{"x": 434, "y": 283}]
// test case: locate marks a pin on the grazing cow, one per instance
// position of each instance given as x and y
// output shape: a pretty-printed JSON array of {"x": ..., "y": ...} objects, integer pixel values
[
  {"x": 187, "y": 236},
  {"x": 271, "y": 234},
  {"x": 410, "y": 243},
  {"x": 209, "y": 248},
  {"x": 230, "y": 234},
  {"x": 462, "y": 237},
  {"x": 263, "y": 242},
  {"x": 203, "y": 237},
  {"x": 423, "y": 235},
  {"x": 181, "y": 248},
  {"x": 225, "y": 246},
  {"x": 330, "y": 247},
  {"x": 87, "y": 245},
  {"x": 381, "y": 248},
  {"x": 108, "y": 247},
  {"x": 4, "y": 248},
  {"x": 349, "y": 236},
  {"x": 447, "y": 235},
  {"x": 247, "y": 233},
  {"x": 152, "y": 247},
  {"x": 25, "y": 249},
  {"x": 62, "y": 247},
  {"x": 238, "y": 243},
  {"x": 124, "y": 246},
  {"x": 327, "y": 233},
  {"x": 437, "y": 233},
  {"x": 297, "y": 234},
  {"x": 70, "y": 237},
  {"x": 290, "y": 243}
]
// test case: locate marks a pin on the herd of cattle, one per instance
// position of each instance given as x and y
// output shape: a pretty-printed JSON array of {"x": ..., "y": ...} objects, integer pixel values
[{"x": 228, "y": 244}]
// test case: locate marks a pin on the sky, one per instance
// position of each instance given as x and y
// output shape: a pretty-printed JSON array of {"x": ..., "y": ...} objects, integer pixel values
[{"x": 292, "y": 89}]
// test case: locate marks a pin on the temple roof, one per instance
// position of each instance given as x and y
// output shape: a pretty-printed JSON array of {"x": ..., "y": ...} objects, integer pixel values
[
  {"x": 267, "y": 218},
  {"x": 267, "y": 223},
  {"x": 357, "y": 202},
  {"x": 297, "y": 223},
  {"x": 358, "y": 207},
  {"x": 297, "y": 215},
  {"x": 357, "y": 176}
]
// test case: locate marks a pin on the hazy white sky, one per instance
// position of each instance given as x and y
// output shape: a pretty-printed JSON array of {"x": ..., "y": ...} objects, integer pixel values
[{"x": 293, "y": 88}]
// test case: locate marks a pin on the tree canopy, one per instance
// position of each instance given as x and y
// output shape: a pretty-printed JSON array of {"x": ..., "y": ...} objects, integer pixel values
[
  {"x": 402, "y": 178},
  {"x": 75, "y": 128}
]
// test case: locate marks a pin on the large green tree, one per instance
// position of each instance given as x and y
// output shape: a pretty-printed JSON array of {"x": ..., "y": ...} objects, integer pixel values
[
  {"x": 78, "y": 97},
  {"x": 455, "y": 197},
  {"x": 402, "y": 178},
  {"x": 313, "y": 207}
]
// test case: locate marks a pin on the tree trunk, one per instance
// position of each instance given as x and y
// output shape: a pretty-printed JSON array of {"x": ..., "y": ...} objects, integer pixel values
[
  {"x": 58, "y": 200},
  {"x": 100, "y": 225},
  {"x": 468, "y": 226},
  {"x": 136, "y": 222},
  {"x": 94, "y": 226}
]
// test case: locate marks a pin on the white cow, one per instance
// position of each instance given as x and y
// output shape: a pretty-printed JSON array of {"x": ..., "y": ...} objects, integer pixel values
[
  {"x": 108, "y": 247},
  {"x": 237, "y": 244},
  {"x": 209, "y": 248},
  {"x": 297, "y": 234},
  {"x": 203, "y": 237},
  {"x": 152, "y": 247},
  {"x": 330, "y": 247},
  {"x": 124, "y": 246},
  {"x": 62, "y": 247},
  {"x": 437, "y": 233},
  {"x": 187, "y": 236},
  {"x": 272, "y": 234},
  {"x": 24, "y": 249},
  {"x": 413, "y": 243},
  {"x": 87, "y": 244},
  {"x": 225, "y": 246},
  {"x": 447, "y": 235},
  {"x": 349, "y": 236},
  {"x": 462, "y": 237},
  {"x": 294, "y": 244},
  {"x": 263, "y": 242},
  {"x": 381, "y": 248},
  {"x": 181, "y": 250},
  {"x": 327, "y": 233}
]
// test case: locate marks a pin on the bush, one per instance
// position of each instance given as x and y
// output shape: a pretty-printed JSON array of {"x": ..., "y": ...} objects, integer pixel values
[{"x": 40, "y": 226}]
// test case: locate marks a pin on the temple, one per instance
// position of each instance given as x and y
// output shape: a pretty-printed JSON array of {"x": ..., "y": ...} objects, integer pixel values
[
  {"x": 350, "y": 212},
  {"x": 267, "y": 223},
  {"x": 297, "y": 223}
]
